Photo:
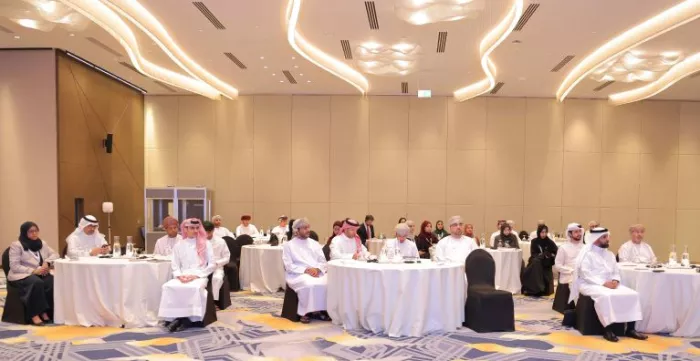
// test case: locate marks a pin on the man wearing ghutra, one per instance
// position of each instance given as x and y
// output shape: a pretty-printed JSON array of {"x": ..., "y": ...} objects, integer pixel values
[
  {"x": 87, "y": 239},
  {"x": 347, "y": 245},
  {"x": 597, "y": 275},
  {"x": 564, "y": 263}
]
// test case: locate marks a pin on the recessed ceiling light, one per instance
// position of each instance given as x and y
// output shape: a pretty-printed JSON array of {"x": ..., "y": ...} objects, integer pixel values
[
  {"x": 16, "y": 36},
  {"x": 522, "y": 78},
  {"x": 296, "y": 66},
  {"x": 294, "y": 58},
  {"x": 273, "y": 74},
  {"x": 281, "y": 81},
  {"x": 308, "y": 81},
  {"x": 516, "y": 41},
  {"x": 300, "y": 74},
  {"x": 200, "y": 30},
  {"x": 265, "y": 67},
  {"x": 262, "y": 58},
  {"x": 71, "y": 34}
]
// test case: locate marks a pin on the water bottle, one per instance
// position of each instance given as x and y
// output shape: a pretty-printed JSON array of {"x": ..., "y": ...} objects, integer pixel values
[
  {"x": 116, "y": 248},
  {"x": 672, "y": 257},
  {"x": 685, "y": 258},
  {"x": 129, "y": 246},
  {"x": 483, "y": 240}
]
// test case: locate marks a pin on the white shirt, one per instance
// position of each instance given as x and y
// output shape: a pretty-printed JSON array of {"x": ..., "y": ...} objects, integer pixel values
[
  {"x": 186, "y": 261},
  {"x": 279, "y": 231},
  {"x": 453, "y": 249},
  {"x": 637, "y": 253},
  {"x": 82, "y": 243},
  {"x": 164, "y": 245},
  {"x": 220, "y": 251},
  {"x": 492, "y": 240},
  {"x": 249, "y": 230},
  {"x": 598, "y": 266},
  {"x": 222, "y": 232},
  {"x": 300, "y": 254},
  {"x": 407, "y": 247},
  {"x": 565, "y": 261},
  {"x": 343, "y": 247}
]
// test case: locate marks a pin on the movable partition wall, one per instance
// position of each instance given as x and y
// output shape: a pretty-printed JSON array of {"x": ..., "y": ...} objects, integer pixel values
[{"x": 179, "y": 202}]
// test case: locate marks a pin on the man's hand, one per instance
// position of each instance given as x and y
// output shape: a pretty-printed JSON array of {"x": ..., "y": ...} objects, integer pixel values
[
  {"x": 356, "y": 256},
  {"x": 187, "y": 278},
  {"x": 39, "y": 271},
  {"x": 611, "y": 284},
  {"x": 313, "y": 272}
]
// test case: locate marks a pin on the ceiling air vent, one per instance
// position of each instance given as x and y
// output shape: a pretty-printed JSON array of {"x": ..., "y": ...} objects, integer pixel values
[
  {"x": 442, "y": 41},
  {"x": 562, "y": 63},
  {"x": 130, "y": 67},
  {"x": 6, "y": 30},
  {"x": 526, "y": 16},
  {"x": 235, "y": 60},
  {"x": 165, "y": 86},
  {"x": 289, "y": 76},
  {"x": 603, "y": 86},
  {"x": 209, "y": 15},
  {"x": 346, "y": 49},
  {"x": 103, "y": 46},
  {"x": 372, "y": 15},
  {"x": 404, "y": 88},
  {"x": 497, "y": 88}
]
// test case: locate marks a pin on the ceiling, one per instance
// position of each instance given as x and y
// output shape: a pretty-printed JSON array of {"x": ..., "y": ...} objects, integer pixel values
[{"x": 255, "y": 33}]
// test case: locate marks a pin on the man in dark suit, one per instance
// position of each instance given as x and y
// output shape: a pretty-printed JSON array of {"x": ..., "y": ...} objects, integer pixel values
[{"x": 366, "y": 230}]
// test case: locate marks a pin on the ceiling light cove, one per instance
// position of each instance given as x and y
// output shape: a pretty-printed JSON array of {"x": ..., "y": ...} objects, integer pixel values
[
  {"x": 111, "y": 22},
  {"x": 144, "y": 20},
  {"x": 667, "y": 20},
  {"x": 490, "y": 42},
  {"x": 679, "y": 71},
  {"x": 421, "y": 12},
  {"x": 395, "y": 59},
  {"x": 45, "y": 15},
  {"x": 311, "y": 53},
  {"x": 635, "y": 66}
]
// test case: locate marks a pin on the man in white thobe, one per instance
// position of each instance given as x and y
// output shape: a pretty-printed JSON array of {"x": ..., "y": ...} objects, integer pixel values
[
  {"x": 347, "y": 245},
  {"x": 565, "y": 262},
  {"x": 636, "y": 250},
  {"x": 164, "y": 245},
  {"x": 222, "y": 256},
  {"x": 456, "y": 247},
  {"x": 305, "y": 267},
  {"x": 407, "y": 248},
  {"x": 86, "y": 239},
  {"x": 492, "y": 239},
  {"x": 184, "y": 298},
  {"x": 598, "y": 276},
  {"x": 281, "y": 229},
  {"x": 219, "y": 230},
  {"x": 246, "y": 228}
]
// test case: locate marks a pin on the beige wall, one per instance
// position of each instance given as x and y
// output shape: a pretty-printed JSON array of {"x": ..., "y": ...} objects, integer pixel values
[
  {"x": 28, "y": 168},
  {"x": 328, "y": 157}
]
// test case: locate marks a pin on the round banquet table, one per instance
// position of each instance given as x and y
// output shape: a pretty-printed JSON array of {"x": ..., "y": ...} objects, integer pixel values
[
  {"x": 508, "y": 263},
  {"x": 94, "y": 291},
  {"x": 673, "y": 296},
  {"x": 262, "y": 268},
  {"x": 396, "y": 299},
  {"x": 374, "y": 246}
]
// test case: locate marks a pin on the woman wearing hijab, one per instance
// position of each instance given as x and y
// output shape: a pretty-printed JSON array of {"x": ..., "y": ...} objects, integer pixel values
[
  {"x": 337, "y": 225},
  {"x": 425, "y": 239},
  {"x": 440, "y": 231},
  {"x": 402, "y": 220},
  {"x": 29, "y": 272},
  {"x": 506, "y": 239},
  {"x": 538, "y": 279}
]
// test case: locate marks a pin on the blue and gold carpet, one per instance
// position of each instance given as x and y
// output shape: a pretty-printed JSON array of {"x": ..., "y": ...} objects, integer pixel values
[{"x": 251, "y": 330}]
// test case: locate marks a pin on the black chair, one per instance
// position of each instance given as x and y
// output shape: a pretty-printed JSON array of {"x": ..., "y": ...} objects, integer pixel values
[
  {"x": 231, "y": 268},
  {"x": 274, "y": 241},
  {"x": 224, "y": 294},
  {"x": 487, "y": 309},
  {"x": 313, "y": 235},
  {"x": 327, "y": 250},
  {"x": 210, "y": 311},
  {"x": 587, "y": 322},
  {"x": 64, "y": 251},
  {"x": 14, "y": 308},
  {"x": 290, "y": 305},
  {"x": 561, "y": 302}
]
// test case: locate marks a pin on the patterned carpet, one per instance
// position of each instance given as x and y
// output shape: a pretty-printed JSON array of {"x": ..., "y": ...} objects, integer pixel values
[{"x": 251, "y": 330}]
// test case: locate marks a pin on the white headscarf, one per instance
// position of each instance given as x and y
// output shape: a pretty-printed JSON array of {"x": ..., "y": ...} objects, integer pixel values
[
  {"x": 88, "y": 220},
  {"x": 572, "y": 227}
]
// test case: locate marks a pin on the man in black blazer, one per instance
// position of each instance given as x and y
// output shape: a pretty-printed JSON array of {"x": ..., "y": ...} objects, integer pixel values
[{"x": 366, "y": 230}]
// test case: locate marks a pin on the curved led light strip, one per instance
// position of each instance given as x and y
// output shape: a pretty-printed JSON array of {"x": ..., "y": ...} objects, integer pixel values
[
  {"x": 679, "y": 71},
  {"x": 318, "y": 57},
  {"x": 669, "y": 19},
  {"x": 108, "y": 20},
  {"x": 144, "y": 20},
  {"x": 494, "y": 38}
]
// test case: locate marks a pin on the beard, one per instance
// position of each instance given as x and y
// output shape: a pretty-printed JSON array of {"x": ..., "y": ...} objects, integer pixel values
[{"x": 605, "y": 245}]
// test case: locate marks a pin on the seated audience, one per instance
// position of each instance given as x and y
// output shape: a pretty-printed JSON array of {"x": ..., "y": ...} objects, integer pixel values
[
  {"x": 533, "y": 234},
  {"x": 366, "y": 231},
  {"x": 305, "y": 267},
  {"x": 412, "y": 229},
  {"x": 29, "y": 272},
  {"x": 246, "y": 228},
  {"x": 591, "y": 225},
  {"x": 280, "y": 230},
  {"x": 327, "y": 247},
  {"x": 565, "y": 263},
  {"x": 597, "y": 275},
  {"x": 440, "y": 231},
  {"x": 492, "y": 239},
  {"x": 455, "y": 247},
  {"x": 184, "y": 298},
  {"x": 347, "y": 244},
  {"x": 406, "y": 247},
  {"x": 469, "y": 230},
  {"x": 219, "y": 230},
  {"x": 86, "y": 239},
  {"x": 538, "y": 279},
  {"x": 164, "y": 245},
  {"x": 222, "y": 256},
  {"x": 506, "y": 239},
  {"x": 402, "y": 220},
  {"x": 636, "y": 250},
  {"x": 426, "y": 239}
]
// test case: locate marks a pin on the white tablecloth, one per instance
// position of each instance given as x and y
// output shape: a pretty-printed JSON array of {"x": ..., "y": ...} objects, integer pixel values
[
  {"x": 396, "y": 299},
  {"x": 108, "y": 292},
  {"x": 262, "y": 269},
  {"x": 508, "y": 262},
  {"x": 374, "y": 246},
  {"x": 673, "y": 296}
]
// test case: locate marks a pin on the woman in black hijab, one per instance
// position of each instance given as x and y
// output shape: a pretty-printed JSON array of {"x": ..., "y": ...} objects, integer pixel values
[
  {"x": 506, "y": 239},
  {"x": 29, "y": 272},
  {"x": 538, "y": 279}
]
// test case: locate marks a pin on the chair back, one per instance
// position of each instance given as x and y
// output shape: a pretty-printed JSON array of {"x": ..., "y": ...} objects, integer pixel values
[
  {"x": 274, "y": 241},
  {"x": 327, "y": 250},
  {"x": 6, "y": 261},
  {"x": 480, "y": 268},
  {"x": 244, "y": 240},
  {"x": 64, "y": 251},
  {"x": 230, "y": 243},
  {"x": 313, "y": 235}
]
